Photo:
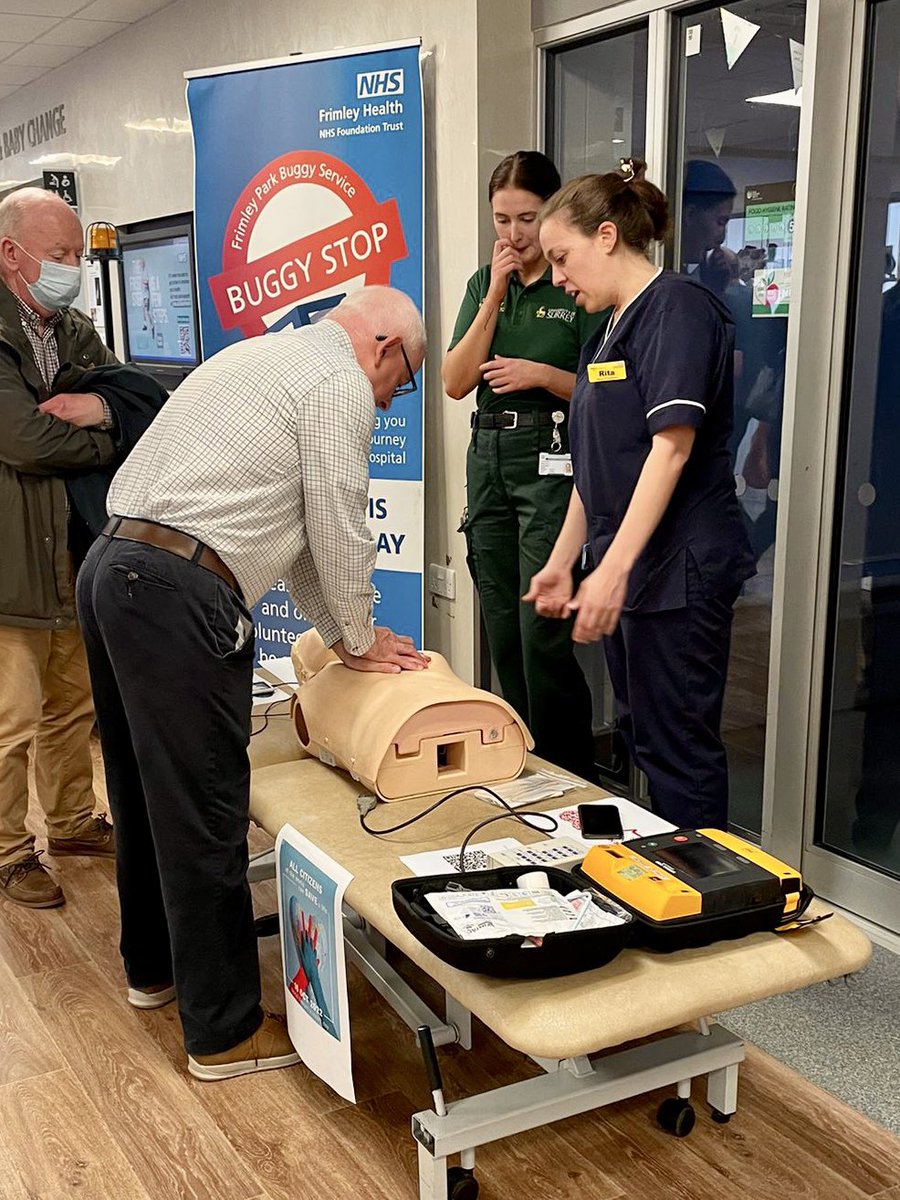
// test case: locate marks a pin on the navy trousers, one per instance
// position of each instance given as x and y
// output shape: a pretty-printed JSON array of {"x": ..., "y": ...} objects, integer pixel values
[
  {"x": 668, "y": 672},
  {"x": 170, "y": 651}
]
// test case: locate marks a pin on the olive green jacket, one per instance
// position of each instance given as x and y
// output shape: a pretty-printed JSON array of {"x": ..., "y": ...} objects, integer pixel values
[{"x": 37, "y": 451}]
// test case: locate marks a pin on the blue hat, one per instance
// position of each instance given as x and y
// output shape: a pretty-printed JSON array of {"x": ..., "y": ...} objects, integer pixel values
[{"x": 707, "y": 179}]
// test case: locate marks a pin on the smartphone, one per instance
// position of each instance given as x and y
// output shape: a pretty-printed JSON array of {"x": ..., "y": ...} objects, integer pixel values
[{"x": 600, "y": 821}]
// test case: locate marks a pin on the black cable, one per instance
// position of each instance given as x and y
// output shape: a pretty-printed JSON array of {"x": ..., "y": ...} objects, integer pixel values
[
  {"x": 518, "y": 814},
  {"x": 265, "y": 714}
]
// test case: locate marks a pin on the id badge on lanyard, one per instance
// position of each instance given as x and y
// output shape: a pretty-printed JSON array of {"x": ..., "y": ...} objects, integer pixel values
[{"x": 555, "y": 463}]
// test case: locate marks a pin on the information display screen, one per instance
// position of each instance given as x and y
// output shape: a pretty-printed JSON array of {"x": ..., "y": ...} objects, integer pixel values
[
  {"x": 158, "y": 301},
  {"x": 699, "y": 860}
]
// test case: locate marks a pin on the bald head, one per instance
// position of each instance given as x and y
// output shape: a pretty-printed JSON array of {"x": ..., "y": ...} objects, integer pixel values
[
  {"x": 384, "y": 310},
  {"x": 30, "y": 209},
  {"x": 36, "y": 226},
  {"x": 388, "y": 337}
]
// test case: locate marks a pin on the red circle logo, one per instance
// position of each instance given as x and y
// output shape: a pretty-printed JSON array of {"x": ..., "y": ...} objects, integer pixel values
[{"x": 306, "y": 227}]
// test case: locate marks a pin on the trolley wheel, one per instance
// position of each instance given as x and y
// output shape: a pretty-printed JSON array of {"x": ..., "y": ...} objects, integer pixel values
[
  {"x": 461, "y": 1184},
  {"x": 719, "y": 1117},
  {"x": 676, "y": 1116}
]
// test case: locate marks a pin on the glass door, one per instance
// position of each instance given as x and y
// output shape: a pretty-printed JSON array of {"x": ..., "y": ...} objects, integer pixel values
[
  {"x": 596, "y": 114},
  {"x": 597, "y": 101},
  {"x": 734, "y": 143},
  {"x": 858, "y": 809}
]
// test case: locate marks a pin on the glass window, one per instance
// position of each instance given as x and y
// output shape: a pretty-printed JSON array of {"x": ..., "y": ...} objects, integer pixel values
[
  {"x": 859, "y": 807},
  {"x": 596, "y": 115},
  {"x": 737, "y": 120},
  {"x": 597, "y": 102}
]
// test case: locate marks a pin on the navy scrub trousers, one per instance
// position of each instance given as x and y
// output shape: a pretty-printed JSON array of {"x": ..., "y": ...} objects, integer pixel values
[
  {"x": 173, "y": 698},
  {"x": 667, "y": 671}
]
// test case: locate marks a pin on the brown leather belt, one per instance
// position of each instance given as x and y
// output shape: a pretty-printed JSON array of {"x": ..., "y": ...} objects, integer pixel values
[{"x": 173, "y": 540}]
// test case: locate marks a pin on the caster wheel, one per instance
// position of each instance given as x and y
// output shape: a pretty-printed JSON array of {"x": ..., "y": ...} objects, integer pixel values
[
  {"x": 720, "y": 1118},
  {"x": 676, "y": 1116},
  {"x": 461, "y": 1184}
]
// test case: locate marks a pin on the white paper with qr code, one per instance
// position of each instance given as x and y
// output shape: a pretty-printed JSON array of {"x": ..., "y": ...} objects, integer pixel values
[
  {"x": 501, "y": 912},
  {"x": 446, "y": 862},
  {"x": 529, "y": 788}
]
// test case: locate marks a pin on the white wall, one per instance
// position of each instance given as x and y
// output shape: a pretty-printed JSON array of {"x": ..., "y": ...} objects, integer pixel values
[
  {"x": 503, "y": 123},
  {"x": 478, "y": 83}
]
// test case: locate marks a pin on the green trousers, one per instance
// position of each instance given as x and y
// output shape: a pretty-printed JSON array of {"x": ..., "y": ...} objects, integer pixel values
[{"x": 513, "y": 518}]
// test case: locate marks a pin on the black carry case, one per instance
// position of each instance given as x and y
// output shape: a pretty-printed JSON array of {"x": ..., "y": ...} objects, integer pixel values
[
  {"x": 509, "y": 957},
  {"x": 689, "y": 933}
]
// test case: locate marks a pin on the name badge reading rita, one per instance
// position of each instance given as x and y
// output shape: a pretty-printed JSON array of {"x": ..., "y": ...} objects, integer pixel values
[{"x": 606, "y": 371}]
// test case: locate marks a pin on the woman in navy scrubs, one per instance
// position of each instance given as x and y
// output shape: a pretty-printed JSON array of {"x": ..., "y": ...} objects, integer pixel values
[{"x": 654, "y": 498}]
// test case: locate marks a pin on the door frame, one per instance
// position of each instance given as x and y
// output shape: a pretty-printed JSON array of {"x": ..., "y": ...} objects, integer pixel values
[
  {"x": 833, "y": 84},
  {"x": 797, "y": 768}
]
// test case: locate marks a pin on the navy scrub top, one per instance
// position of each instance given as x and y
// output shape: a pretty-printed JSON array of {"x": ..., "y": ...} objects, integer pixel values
[{"x": 668, "y": 360}]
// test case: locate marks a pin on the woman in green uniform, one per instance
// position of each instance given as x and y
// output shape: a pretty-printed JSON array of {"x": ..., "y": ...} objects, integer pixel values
[{"x": 517, "y": 342}]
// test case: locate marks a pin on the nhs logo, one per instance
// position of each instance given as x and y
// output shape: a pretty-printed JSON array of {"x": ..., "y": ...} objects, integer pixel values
[{"x": 379, "y": 83}]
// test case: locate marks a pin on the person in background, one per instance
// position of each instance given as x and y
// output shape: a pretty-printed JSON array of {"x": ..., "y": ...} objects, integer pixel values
[
  {"x": 707, "y": 205},
  {"x": 257, "y": 468},
  {"x": 45, "y": 693},
  {"x": 654, "y": 490},
  {"x": 516, "y": 344}
]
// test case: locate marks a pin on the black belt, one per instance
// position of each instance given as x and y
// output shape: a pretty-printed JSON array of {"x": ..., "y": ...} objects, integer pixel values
[
  {"x": 151, "y": 533},
  {"x": 510, "y": 420}
]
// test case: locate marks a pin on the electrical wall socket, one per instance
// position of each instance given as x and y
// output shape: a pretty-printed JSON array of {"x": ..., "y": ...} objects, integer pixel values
[{"x": 441, "y": 581}]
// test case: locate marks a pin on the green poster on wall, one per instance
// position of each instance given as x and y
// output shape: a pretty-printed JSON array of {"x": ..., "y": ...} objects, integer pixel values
[{"x": 769, "y": 226}]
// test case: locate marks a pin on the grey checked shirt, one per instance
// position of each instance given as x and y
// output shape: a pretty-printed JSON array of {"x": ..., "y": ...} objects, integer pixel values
[{"x": 263, "y": 454}]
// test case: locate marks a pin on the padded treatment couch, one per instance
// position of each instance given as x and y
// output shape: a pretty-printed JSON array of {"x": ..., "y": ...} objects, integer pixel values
[{"x": 558, "y": 1022}]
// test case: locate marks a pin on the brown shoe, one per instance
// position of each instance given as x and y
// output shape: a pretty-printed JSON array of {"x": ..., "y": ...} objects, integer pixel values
[
  {"x": 266, "y": 1050},
  {"x": 96, "y": 840},
  {"x": 29, "y": 883}
]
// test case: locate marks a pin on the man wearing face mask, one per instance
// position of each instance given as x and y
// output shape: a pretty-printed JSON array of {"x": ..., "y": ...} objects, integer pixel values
[{"x": 45, "y": 694}]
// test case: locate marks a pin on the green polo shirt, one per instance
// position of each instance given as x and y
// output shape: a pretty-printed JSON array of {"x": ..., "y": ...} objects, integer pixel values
[{"x": 538, "y": 322}]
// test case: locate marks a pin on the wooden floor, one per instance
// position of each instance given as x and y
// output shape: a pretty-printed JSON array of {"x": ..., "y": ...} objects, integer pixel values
[{"x": 95, "y": 1102}]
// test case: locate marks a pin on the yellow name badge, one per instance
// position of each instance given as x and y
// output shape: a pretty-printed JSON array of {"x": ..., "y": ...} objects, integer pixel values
[{"x": 604, "y": 372}]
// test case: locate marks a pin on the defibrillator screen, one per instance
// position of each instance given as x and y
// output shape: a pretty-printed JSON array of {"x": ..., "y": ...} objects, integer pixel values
[{"x": 699, "y": 859}]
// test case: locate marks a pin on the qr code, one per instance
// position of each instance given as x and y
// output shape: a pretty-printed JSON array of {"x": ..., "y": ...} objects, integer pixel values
[
  {"x": 184, "y": 339},
  {"x": 476, "y": 860}
]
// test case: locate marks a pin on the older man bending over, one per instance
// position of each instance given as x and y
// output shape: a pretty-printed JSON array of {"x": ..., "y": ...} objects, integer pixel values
[{"x": 257, "y": 468}]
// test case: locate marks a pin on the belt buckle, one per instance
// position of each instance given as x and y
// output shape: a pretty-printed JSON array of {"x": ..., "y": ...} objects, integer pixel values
[{"x": 515, "y": 418}]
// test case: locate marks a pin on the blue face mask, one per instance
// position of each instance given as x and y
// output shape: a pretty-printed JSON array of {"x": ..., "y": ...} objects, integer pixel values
[{"x": 56, "y": 286}]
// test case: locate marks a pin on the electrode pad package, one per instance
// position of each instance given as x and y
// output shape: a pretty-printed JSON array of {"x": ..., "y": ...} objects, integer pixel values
[
  {"x": 483, "y": 921},
  {"x": 413, "y": 734}
]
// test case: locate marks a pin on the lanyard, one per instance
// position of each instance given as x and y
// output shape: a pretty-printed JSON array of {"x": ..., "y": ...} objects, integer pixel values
[{"x": 611, "y": 324}]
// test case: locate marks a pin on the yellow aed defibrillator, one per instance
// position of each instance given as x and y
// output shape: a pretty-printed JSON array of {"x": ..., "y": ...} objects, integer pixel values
[{"x": 692, "y": 887}]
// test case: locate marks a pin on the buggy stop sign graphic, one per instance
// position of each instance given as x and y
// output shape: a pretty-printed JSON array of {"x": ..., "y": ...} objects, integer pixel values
[{"x": 304, "y": 232}]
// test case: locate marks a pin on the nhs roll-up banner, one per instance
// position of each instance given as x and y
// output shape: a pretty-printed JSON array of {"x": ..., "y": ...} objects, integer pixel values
[{"x": 308, "y": 183}]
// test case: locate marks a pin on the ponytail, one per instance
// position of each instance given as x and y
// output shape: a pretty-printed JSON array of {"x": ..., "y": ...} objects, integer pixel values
[{"x": 637, "y": 208}]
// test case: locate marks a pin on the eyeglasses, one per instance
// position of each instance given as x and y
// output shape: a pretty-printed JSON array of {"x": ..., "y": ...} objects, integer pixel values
[{"x": 405, "y": 389}]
